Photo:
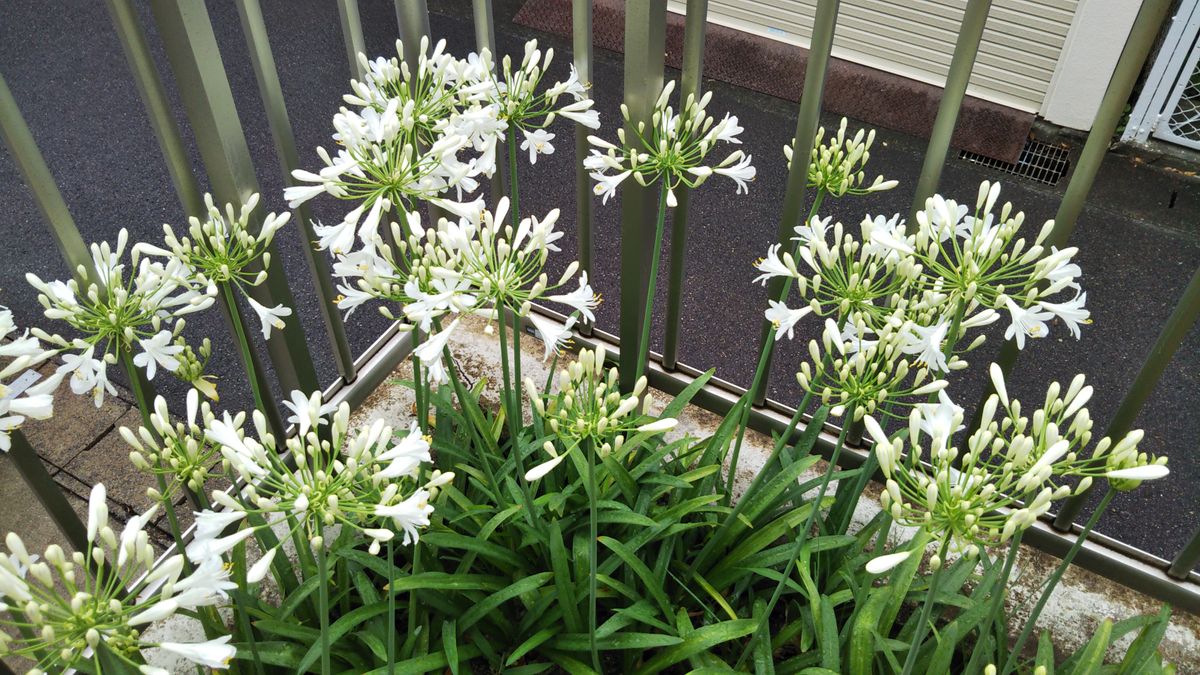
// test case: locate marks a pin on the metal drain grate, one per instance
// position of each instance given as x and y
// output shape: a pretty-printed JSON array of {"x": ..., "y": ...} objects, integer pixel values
[{"x": 1037, "y": 161}]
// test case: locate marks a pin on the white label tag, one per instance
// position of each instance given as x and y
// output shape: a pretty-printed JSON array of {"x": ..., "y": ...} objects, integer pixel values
[{"x": 22, "y": 383}]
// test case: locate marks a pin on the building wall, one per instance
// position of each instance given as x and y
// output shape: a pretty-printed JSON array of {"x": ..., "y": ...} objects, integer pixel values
[
  {"x": 1087, "y": 61},
  {"x": 1049, "y": 57}
]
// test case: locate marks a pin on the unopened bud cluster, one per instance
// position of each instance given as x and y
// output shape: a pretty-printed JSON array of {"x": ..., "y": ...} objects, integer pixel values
[
  {"x": 837, "y": 167},
  {"x": 589, "y": 407}
]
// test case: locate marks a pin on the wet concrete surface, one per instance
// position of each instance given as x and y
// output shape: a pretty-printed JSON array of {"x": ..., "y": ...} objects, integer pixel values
[{"x": 1139, "y": 235}]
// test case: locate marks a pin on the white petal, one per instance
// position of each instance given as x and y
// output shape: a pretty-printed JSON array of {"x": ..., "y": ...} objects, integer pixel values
[{"x": 886, "y": 562}]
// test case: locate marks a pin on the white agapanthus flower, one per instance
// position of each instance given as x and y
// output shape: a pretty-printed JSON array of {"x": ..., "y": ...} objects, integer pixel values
[
  {"x": 1009, "y": 471},
  {"x": 222, "y": 250},
  {"x": 837, "y": 276},
  {"x": 671, "y": 151},
  {"x": 366, "y": 479},
  {"x": 20, "y": 352},
  {"x": 489, "y": 266},
  {"x": 68, "y": 611},
  {"x": 121, "y": 309},
  {"x": 865, "y": 375},
  {"x": 975, "y": 262},
  {"x": 523, "y": 103}
]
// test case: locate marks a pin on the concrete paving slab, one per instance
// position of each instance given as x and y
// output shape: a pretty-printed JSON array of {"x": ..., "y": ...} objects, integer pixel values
[
  {"x": 108, "y": 462},
  {"x": 76, "y": 425}
]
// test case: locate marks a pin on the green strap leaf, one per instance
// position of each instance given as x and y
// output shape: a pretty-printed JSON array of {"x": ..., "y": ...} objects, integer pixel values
[
  {"x": 698, "y": 641},
  {"x": 482, "y": 608},
  {"x": 339, "y": 628}
]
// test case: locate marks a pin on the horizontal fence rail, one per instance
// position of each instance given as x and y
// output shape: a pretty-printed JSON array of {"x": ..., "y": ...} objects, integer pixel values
[{"x": 195, "y": 64}]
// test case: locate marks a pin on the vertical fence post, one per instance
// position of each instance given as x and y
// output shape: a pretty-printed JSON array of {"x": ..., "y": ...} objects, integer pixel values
[
  {"x": 34, "y": 473},
  {"x": 1185, "y": 561},
  {"x": 170, "y": 141},
  {"x": 693, "y": 68},
  {"x": 807, "y": 122},
  {"x": 970, "y": 33},
  {"x": 645, "y": 37},
  {"x": 485, "y": 30},
  {"x": 413, "y": 18},
  {"x": 267, "y": 75},
  {"x": 37, "y": 176},
  {"x": 581, "y": 44},
  {"x": 195, "y": 59},
  {"x": 485, "y": 38},
  {"x": 1142, "y": 37},
  {"x": 1182, "y": 318},
  {"x": 150, "y": 87},
  {"x": 352, "y": 34}
]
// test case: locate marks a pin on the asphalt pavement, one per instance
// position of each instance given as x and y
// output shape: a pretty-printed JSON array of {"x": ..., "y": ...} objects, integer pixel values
[{"x": 1139, "y": 236}]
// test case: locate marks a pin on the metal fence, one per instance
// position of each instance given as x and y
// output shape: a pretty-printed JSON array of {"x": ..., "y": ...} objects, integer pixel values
[{"x": 194, "y": 61}]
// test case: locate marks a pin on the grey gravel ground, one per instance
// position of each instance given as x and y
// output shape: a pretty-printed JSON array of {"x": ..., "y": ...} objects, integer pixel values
[{"x": 1139, "y": 236}]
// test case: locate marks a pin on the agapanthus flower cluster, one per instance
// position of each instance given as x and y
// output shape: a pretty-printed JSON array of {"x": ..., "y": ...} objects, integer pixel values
[
  {"x": 521, "y": 103},
  {"x": 837, "y": 167},
  {"x": 1009, "y": 473},
  {"x": 69, "y": 604},
  {"x": 403, "y": 274},
  {"x": 398, "y": 148},
  {"x": 178, "y": 450},
  {"x": 867, "y": 374},
  {"x": 503, "y": 267},
  {"x": 118, "y": 307},
  {"x": 839, "y": 280},
  {"x": 671, "y": 151},
  {"x": 425, "y": 98},
  {"x": 402, "y": 146},
  {"x": 477, "y": 263},
  {"x": 19, "y": 353},
  {"x": 977, "y": 261},
  {"x": 365, "y": 479},
  {"x": 589, "y": 406},
  {"x": 221, "y": 250}
]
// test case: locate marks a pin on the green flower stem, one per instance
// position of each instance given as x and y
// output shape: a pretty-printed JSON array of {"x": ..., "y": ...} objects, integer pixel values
[
  {"x": 586, "y": 447},
  {"x": 926, "y": 610},
  {"x": 323, "y": 609},
  {"x": 518, "y": 384},
  {"x": 802, "y": 534},
  {"x": 414, "y": 609},
  {"x": 243, "y": 600},
  {"x": 760, "y": 371},
  {"x": 261, "y": 398},
  {"x": 145, "y": 406},
  {"x": 391, "y": 629},
  {"x": 1052, "y": 582},
  {"x": 643, "y": 354},
  {"x": 513, "y": 414},
  {"x": 461, "y": 392},
  {"x": 514, "y": 196},
  {"x": 995, "y": 612},
  {"x": 419, "y": 385}
]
